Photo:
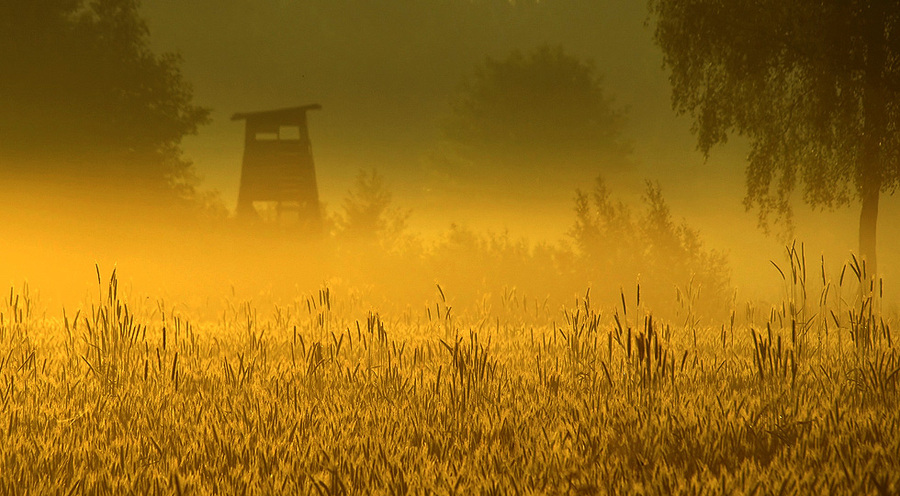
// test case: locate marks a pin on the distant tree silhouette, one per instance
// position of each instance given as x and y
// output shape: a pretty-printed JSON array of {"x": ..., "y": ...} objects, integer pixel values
[
  {"x": 614, "y": 240},
  {"x": 542, "y": 111},
  {"x": 368, "y": 214},
  {"x": 83, "y": 96}
]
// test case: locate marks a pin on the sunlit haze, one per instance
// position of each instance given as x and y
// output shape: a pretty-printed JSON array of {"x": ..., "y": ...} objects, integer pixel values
[
  {"x": 449, "y": 247},
  {"x": 386, "y": 76}
]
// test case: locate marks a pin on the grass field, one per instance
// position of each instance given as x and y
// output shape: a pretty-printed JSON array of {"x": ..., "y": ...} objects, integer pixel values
[{"x": 327, "y": 395}]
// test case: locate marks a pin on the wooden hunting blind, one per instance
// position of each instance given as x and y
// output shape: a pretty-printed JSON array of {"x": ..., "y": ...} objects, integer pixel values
[{"x": 278, "y": 164}]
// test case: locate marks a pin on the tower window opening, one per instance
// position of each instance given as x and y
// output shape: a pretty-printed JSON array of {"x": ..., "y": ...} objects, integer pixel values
[
  {"x": 289, "y": 133},
  {"x": 266, "y": 136}
]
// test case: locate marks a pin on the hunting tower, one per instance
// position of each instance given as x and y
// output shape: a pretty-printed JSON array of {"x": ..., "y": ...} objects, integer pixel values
[{"x": 278, "y": 165}]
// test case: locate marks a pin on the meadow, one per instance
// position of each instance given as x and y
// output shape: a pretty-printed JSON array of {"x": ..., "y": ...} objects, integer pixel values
[{"x": 329, "y": 395}]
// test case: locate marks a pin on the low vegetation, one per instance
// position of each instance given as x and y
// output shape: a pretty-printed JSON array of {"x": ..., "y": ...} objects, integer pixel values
[
  {"x": 610, "y": 244},
  {"x": 326, "y": 395}
]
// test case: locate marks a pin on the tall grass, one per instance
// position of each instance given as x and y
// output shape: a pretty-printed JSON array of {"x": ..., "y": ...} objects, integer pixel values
[{"x": 328, "y": 395}]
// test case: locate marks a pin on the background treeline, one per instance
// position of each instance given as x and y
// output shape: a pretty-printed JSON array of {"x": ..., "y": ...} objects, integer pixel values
[{"x": 610, "y": 243}]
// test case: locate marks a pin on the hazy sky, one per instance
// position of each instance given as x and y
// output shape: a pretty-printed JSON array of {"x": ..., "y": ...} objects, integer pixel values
[{"x": 384, "y": 72}]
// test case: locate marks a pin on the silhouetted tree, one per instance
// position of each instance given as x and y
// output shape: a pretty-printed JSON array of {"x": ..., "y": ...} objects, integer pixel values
[
  {"x": 615, "y": 241},
  {"x": 814, "y": 85},
  {"x": 368, "y": 214},
  {"x": 542, "y": 111},
  {"x": 84, "y": 96}
]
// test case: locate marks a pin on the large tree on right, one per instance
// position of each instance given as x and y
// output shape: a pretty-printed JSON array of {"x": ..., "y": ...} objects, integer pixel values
[{"x": 813, "y": 84}]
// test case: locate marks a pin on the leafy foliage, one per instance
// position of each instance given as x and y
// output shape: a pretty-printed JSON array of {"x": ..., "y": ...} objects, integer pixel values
[
  {"x": 615, "y": 241},
  {"x": 812, "y": 84},
  {"x": 544, "y": 113},
  {"x": 609, "y": 243},
  {"x": 368, "y": 214},
  {"x": 85, "y": 97}
]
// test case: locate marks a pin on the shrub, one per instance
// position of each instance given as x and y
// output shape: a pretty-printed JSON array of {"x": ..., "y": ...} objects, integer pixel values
[{"x": 613, "y": 241}]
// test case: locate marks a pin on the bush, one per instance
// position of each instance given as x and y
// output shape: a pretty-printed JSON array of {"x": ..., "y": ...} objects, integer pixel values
[
  {"x": 613, "y": 241},
  {"x": 368, "y": 214}
]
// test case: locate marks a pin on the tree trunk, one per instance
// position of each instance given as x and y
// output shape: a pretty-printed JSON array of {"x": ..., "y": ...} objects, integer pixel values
[
  {"x": 874, "y": 129},
  {"x": 868, "y": 220}
]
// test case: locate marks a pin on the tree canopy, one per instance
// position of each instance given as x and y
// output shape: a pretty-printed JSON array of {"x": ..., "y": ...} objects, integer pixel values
[
  {"x": 813, "y": 85},
  {"x": 84, "y": 97},
  {"x": 542, "y": 111}
]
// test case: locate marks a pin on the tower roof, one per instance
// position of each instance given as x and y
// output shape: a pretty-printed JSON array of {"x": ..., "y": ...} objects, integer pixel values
[{"x": 285, "y": 115}]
